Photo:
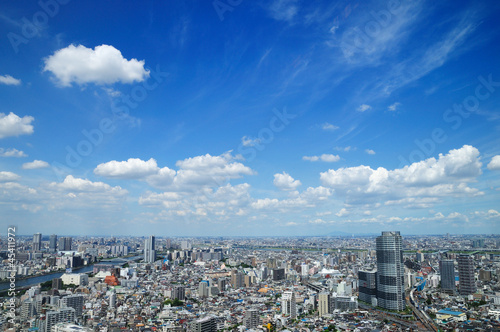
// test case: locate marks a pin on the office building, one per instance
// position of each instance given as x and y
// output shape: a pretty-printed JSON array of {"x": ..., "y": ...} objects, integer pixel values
[
  {"x": 28, "y": 310},
  {"x": 368, "y": 287},
  {"x": 149, "y": 250},
  {"x": 278, "y": 274},
  {"x": 237, "y": 279},
  {"x": 288, "y": 304},
  {"x": 73, "y": 301},
  {"x": 203, "y": 288},
  {"x": 324, "y": 304},
  {"x": 58, "y": 316},
  {"x": 53, "y": 242},
  {"x": 390, "y": 271},
  {"x": 466, "y": 278},
  {"x": 57, "y": 283},
  {"x": 252, "y": 319},
  {"x": 112, "y": 300},
  {"x": 64, "y": 243},
  {"x": 179, "y": 292},
  {"x": 206, "y": 324},
  {"x": 37, "y": 242},
  {"x": 447, "y": 270}
]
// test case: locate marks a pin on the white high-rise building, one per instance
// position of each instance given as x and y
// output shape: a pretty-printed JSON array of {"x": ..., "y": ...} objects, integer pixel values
[
  {"x": 288, "y": 304},
  {"x": 149, "y": 250},
  {"x": 58, "y": 316},
  {"x": 37, "y": 242},
  {"x": 390, "y": 271}
]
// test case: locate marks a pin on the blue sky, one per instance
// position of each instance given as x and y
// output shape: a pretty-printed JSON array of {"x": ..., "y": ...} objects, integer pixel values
[{"x": 239, "y": 117}]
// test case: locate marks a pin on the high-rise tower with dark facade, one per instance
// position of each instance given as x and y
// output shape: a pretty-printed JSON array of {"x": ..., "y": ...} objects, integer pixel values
[
  {"x": 447, "y": 270},
  {"x": 466, "y": 278}
]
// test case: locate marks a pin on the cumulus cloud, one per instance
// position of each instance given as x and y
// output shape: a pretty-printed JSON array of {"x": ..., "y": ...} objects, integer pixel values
[
  {"x": 284, "y": 181},
  {"x": 8, "y": 176},
  {"x": 102, "y": 65},
  {"x": 195, "y": 172},
  {"x": 363, "y": 108},
  {"x": 35, "y": 164},
  {"x": 13, "y": 125},
  {"x": 72, "y": 184},
  {"x": 329, "y": 158},
  {"x": 369, "y": 151},
  {"x": 494, "y": 164},
  {"x": 9, "y": 80},
  {"x": 12, "y": 153},
  {"x": 133, "y": 168},
  {"x": 446, "y": 176}
]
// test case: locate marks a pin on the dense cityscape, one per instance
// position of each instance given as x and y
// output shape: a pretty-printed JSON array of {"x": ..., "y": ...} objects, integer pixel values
[{"x": 374, "y": 283}]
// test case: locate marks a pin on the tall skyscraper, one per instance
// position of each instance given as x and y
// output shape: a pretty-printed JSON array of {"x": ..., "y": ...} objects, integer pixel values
[
  {"x": 67, "y": 243},
  {"x": 466, "y": 278},
  {"x": 37, "y": 242},
  {"x": 390, "y": 271},
  {"x": 447, "y": 270},
  {"x": 149, "y": 250},
  {"x": 64, "y": 243},
  {"x": 53, "y": 242},
  {"x": 368, "y": 286},
  {"x": 288, "y": 304}
]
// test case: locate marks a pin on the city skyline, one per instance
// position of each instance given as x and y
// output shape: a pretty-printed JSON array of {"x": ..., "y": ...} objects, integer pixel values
[{"x": 280, "y": 118}]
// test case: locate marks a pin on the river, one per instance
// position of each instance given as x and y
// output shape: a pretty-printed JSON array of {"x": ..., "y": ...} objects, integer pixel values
[{"x": 39, "y": 279}]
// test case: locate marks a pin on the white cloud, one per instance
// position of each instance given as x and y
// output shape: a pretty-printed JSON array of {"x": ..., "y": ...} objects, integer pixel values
[
  {"x": 364, "y": 108},
  {"x": 131, "y": 169},
  {"x": 394, "y": 107},
  {"x": 285, "y": 182},
  {"x": 193, "y": 173},
  {"x": 446, "y": 176},
  {"x": 8, "y": 176},
  {"x": 13, "y": 125},
  {"x": 9, "y": 80},
  {"x": 283, "y": 10},
  {"x": 369, "y": 151},
  {"x": 329, "y": 126},
  {"x": 494, "y": 164},
  {"x": 102, "y": 65},
  {"x": 342, "y": 213},
  {"x": 247, "y": 141},
  {"x": 72, "y": 184},
  {"x": 12, "y": 153},
  {"x": 329, "y": 158},
  {"x": 35, "y": 164}
]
